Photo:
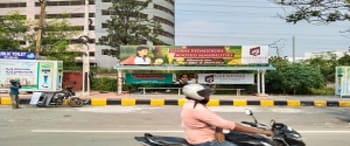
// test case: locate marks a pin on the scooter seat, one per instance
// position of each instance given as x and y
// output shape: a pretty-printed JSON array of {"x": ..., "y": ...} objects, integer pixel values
[{"x": 165, "y": 141}]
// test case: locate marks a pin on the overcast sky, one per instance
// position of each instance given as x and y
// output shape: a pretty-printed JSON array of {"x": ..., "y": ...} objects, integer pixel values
[{"x": 252, "y": 22}]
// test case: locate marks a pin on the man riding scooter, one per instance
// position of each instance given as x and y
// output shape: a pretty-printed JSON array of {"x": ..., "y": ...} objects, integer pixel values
[{"x": 203, "y": 127}]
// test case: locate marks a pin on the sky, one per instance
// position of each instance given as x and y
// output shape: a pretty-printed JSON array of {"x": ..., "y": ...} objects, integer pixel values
[{"x": 253, "y": 22}]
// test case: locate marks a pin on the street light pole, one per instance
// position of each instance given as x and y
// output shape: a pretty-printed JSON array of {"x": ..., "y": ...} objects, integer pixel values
[{"x": 86, "y": 60}]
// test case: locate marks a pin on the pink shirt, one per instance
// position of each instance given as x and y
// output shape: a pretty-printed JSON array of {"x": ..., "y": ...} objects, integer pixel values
[{"x": 199, "y": 123}]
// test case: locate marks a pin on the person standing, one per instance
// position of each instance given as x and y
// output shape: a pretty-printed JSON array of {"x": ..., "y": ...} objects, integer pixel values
[{"x": 14, "y": 92}]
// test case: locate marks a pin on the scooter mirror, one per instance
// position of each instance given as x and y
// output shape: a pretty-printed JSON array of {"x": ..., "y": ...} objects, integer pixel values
[{"x": 248, "y": 112}]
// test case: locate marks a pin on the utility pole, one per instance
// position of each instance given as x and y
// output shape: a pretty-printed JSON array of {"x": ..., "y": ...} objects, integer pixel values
[
  {"x": 293, "y": 43},
  {"x": 40, "y": 28},
  {"x": 86, "y": 59}
]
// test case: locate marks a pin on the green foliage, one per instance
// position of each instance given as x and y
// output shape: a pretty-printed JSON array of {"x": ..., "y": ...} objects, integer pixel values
[
  {"x": 345, "y": 60},
  {"x": 12, "y": 30},
  {"x": 315, "y": 11},
  {"x": 322, "y": 91},
  {"x": 293, "y": 78},
  {"x": 55, "y": 41},
  {"x": 104, "y": 84},
  {"x": 326, "y": 64},
  {"x": 129, "y": 26}
]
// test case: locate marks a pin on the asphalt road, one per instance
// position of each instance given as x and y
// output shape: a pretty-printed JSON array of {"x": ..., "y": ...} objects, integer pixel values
[{"x": 117, "y": 125}]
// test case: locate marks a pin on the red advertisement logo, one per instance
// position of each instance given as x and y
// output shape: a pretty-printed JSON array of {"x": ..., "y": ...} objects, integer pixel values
[{"x": 255, "y": 51}]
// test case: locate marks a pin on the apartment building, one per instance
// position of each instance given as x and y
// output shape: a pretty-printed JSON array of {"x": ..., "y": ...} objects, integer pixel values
[{"x": 161, "y": 10}]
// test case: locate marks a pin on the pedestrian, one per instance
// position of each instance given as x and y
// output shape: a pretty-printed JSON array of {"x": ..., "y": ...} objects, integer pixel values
[{"x": 14, "y": 91}]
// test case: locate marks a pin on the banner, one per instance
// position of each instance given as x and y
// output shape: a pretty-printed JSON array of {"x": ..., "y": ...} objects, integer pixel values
[
  {"x": 34, "y": 75},
  {"x": 4, "y": 54},
  {"x": 149, "y": 78},
  {"x": 193, "y": 55},
  {"x": 25, "y": 72},
  {"x": 237, "y": 78}
]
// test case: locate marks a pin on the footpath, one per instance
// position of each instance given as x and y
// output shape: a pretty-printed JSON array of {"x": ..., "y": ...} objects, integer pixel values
[{"x": 161, "y": 99}]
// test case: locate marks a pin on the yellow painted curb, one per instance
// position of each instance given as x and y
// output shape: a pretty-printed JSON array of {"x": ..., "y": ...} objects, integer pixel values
[
  {"x": 181, "y": 101},
  {"x": 6, "y": 100},
  {"x": 267, "y": 103},
  {"x": 128, "y": 101},
  {"x": 213, "y": 102},
  {"x": 293, "y": 103},
  {"x": 344, "y": 103},
  {"x": 98, "y": 101},
  {"x": 320, "y": 103},
  {"x": 240, "y": 102},
  {"x": 157, "y": 102}
]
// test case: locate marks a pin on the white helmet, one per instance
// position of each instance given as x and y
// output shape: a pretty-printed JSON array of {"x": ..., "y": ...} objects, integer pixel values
[{"x": 196, "y": 91}]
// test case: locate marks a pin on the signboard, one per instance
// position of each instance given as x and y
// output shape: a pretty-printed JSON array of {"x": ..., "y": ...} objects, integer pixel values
[
  {"x": 35, "y": 98},
  {"x": 154, "y": 78},
  {"x": 4, "y": 54},
  {"x": 193, "y": 55},
  {"x": 34, "y": 75},
  {"x": 342, "y": 81},
  {"x": 237, "y": 78},
  {"x": 25, "y": 72}
]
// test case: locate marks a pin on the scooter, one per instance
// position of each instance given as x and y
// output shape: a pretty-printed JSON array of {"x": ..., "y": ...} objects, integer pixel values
[
  {"x": 59, "y": 98},
  {"x": 283, "y": 136}
]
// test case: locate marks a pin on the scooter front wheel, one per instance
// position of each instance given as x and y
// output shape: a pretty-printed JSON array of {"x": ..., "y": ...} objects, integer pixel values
[{"x": 75, "y": 102}]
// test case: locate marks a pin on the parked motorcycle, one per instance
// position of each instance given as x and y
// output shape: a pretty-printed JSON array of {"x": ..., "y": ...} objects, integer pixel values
[
  {"x": 283, "y": 136},
  {"x": 59, "y": 98}
]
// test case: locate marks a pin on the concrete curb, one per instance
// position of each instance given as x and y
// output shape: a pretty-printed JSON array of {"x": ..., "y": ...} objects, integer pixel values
[{"x": 212, "y": 102}]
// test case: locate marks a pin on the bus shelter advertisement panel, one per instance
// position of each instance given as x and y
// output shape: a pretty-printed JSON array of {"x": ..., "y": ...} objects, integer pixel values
[
  {"x": 194, "y": 55},
  {"x": 25, "y": 72},
  {"x": 149, "y": 78},
  {"x": 237, "y": 78},
  {"x": 45, "y": 75}
]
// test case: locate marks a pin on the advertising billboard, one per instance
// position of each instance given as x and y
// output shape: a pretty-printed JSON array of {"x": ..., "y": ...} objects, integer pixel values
[
  {"x": 148, "y": 78},
  {"x": 34, "y": 75},
  {"x": 193, "y": 55},
  {"x": 233, "y": 78}
]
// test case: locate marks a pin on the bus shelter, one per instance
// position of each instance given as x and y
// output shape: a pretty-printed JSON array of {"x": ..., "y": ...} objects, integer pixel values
[
  {"x": 259, "y": 71},
  {"x": 196, "y": 58}
]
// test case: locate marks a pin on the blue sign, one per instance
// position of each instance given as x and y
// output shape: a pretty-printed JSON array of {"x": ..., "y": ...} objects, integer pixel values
[{"x": 4, "y": 54}]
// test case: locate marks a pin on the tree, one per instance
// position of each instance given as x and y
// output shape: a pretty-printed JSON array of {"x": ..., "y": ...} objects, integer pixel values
[
  {"x": 314, "y": 11},
  {"x": 293, "y": 78},
  {"x": 12, "y": 31},
  {"x": 345, "y": 60},
  {"x": 129, "y": 26},
  {"x": 326, "y": 64},
  {"x": 55, "y": 40}
]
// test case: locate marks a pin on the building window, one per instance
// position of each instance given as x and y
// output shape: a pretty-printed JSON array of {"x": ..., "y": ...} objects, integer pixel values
[
  {"x": 66, "y": 3},
  {"x": 21, "y": 17},
  {"x": 12, "y": 5},
  {"x": 167, "y": 34},
  {"x": 71, "y": 15},
  {"x": 171, "y": 2},
  {"x": 164, "y": 21},
  {"x": 164, "y": 9}
]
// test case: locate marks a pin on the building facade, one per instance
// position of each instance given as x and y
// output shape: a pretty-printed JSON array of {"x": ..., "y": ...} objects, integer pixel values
[
  {"x": 161, "y": 10},
  {"x": 327, "y": 54}
]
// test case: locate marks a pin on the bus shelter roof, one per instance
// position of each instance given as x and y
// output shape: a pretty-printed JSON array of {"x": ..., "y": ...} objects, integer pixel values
[{"x": 197, "y": 67}]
